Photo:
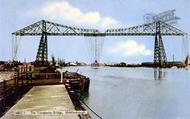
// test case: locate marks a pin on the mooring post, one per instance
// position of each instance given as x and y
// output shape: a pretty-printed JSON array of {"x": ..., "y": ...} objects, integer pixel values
[
  {"x": 4, "y": 94},
  {"x": 61, "y": 77},
  {"x": 30, "y": 75},
  {"x": 22, "y": 75},
  {"x": 61, "y": 73},
  {"x": 17, "y": 77},
  {"x": 14, "y": 78}
]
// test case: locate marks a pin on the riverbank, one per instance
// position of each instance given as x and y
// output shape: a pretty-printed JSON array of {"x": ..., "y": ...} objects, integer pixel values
[{"x": 150, "y": 65}]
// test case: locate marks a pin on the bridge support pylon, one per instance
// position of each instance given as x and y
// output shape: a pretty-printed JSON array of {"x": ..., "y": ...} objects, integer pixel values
[
  {"x": 42, "y": 54},
  {"x": 160, "y": 58}
]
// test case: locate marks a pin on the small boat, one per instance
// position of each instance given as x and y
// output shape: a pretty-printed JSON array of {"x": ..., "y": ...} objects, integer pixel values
[
  {"x": 95, "y": 65},
  {"x": 174, "y": 67}
]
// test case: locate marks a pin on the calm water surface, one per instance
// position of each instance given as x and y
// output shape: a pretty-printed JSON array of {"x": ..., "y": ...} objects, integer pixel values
[{"x": 138, "y": 93}]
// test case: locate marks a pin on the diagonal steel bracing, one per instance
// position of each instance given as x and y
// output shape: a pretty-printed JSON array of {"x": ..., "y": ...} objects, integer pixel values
[
  {"x": 45, "y": 28},
  {"x": 52, "y": 29},
  {"x": 42, "y": 54}
]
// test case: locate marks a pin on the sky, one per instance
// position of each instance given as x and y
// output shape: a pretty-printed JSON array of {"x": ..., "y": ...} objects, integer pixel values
[{"x": 99, "y": 14}]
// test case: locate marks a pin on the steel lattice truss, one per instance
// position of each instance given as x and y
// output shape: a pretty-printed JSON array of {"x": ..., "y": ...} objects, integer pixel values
[
  {"x": 45, "y": 28},
  {"x": 54, "y": 29},
  {"x": 147, "y": 30}
]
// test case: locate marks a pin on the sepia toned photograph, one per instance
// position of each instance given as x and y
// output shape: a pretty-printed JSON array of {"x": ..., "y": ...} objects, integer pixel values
[{"x": 94, "y": 59}]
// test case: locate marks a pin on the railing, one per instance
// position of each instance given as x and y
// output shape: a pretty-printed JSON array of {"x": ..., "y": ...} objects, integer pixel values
[
  {"x": 23, "y": 80},
  {"x": 13, "y": 87},
  {"x": 45, "y": 75}
]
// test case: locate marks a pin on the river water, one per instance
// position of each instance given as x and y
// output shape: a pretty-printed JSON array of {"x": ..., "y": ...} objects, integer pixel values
[{"x": 137, "y": 93}]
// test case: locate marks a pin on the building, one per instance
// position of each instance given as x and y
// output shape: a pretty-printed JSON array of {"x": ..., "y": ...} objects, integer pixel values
[{"x": 187, "y": 61}]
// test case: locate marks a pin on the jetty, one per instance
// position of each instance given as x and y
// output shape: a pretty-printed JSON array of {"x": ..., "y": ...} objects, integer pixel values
[
  {"x": 50, "y": 101},
  {"x": 23, "y": 91}
]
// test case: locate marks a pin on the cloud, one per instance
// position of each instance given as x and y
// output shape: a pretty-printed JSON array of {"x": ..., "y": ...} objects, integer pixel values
[
  {"x": 63, "y": 10},
  {"x": 129, "y": 48}
]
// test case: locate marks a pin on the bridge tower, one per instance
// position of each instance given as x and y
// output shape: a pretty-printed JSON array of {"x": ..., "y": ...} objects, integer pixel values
[
  {"x": 45, "y": 28},
  {"x": 42, "y": 54},
  {"x": 160, "y": 58}
]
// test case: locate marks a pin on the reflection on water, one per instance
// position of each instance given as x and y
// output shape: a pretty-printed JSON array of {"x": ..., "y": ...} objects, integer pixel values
[
  {"x": 159, "y": 74},
  {"x": 138, "y": 93}
]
